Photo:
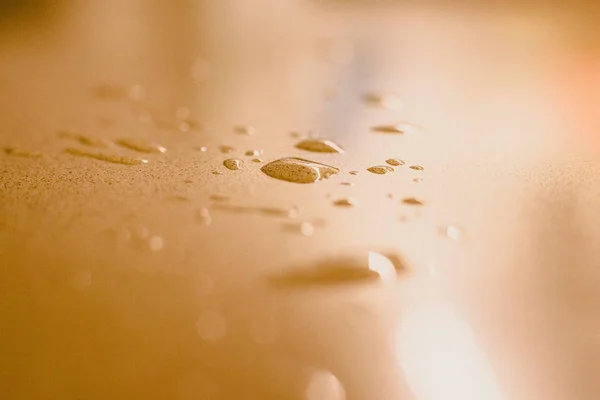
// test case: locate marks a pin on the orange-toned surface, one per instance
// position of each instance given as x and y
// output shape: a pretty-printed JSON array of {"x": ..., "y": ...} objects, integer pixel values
[{"x": 178, "y": 278}]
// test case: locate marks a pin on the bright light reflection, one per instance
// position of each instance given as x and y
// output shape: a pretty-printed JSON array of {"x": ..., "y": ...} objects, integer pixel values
[
  {"x": 441, "y": 359},
  {"x": 383, "y": 266}
]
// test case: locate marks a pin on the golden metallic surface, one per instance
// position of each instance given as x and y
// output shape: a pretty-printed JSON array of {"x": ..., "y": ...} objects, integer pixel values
[{"x": 127, "y": 280}]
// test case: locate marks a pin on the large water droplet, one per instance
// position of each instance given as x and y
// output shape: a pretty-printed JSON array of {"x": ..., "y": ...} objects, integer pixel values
[
  {"x": 298, "y": 170},
  {"x": 380, "y": 169},
  {"x": 360, "y": 266},
  {"x": 395, "y": 162},
  {"x": 233, "y": 164},
  {"x": 319, "y": 146},
  {"x": 107, "y": 157},
  {"x": 140, "y": 146}
]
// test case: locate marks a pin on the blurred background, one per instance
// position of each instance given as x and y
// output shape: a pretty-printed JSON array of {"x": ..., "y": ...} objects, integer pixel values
[{"x": 121, "y": 280}]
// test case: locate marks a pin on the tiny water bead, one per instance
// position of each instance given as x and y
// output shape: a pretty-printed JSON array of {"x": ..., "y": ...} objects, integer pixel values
[
  {"x": 257, "y": 160},
  {"x": 83, "y": 139},
  {"x": 418, "y": 180},
  {"x": 319, "y": 146},
  {"x": 303, "y": 228},
  {"x": 397, "y": 129},
  {"x": 395, "y": 162},
  {"x": 347, "y": 202},
  {"x": 216, "y": 197},
  {"x": 141, "y": 146},
  {"x": 354, "y": 172},
  {"x": 383, "y": 100},
  {"x": 380, "y": 169},
  {"x": 346, "y": 183},
  {"x": 203, "y": 216},
  {"x": 226, "y": 149},
  {"x": 417, "y": 168},
  {"x": 298, "y": 170},
  {"x": 201, "y": 149},
  {"x": 217, "y": 173},
  {"x": 252, "y": 153},
  {"x": 413, "y": 201},
  {"x": 245, "y": 130},
  {"x": 233, "y": 164},
  {"x": 107, "y": 157},
  {"x": 452, "y": 232},
  {"x": 156, "y": 243}
]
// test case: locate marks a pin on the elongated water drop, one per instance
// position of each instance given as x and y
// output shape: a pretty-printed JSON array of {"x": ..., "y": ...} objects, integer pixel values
[
  {"x": 298, "y": 170},
  {"x": 417, "y": 168},
  {"x": 413, "y": 201},
  {"x": 319, "y": 146},
  {"x": 380, "y": 169},
  {"x": 141, "y": 146},
  {"x": 395, "y": 162},
  {"x": 22, "y": 153},
  {"x": 348, "y": 202},
  {"x": 107, "y": 157}
]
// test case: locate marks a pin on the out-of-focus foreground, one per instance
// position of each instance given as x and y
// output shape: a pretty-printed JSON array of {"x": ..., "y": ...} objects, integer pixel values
[{"x": 155, "y": 241}]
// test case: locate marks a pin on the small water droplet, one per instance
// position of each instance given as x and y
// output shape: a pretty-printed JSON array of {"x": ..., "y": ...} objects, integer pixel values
[
  {"x": 395, "y": 162},
  {"x": 324, "y": 385},
  {"x": 359, "y": 266},
  {"x": 211, "y": 326},
  {"x": 396, "y": 129},
  {"x": 201, "y": 149},
  {"x": 85, "y": 140},
  {"x": 383, "y": 100},
  {"x": 184, "y": 126},
  {"x": 217, "y": 173},
  {"x": 203, "y": 216},
  {"x": 253, "y": 153},
  {"x": 257, "y": 160},
  {"x": 188, "y": 181},
  {"x": 380, "y": 169},
  {"x": 140, "y": 146},
  {"x": 319, "y": 146},
  {"x": 346, "y": 183},
  {"x": 156, "y": 243},
  {"x": 348, "y": 202},
  {"x": 417, "y": 168},
  {"x": 182, "y": 113},
  {"x": 418, "y": 180},
  {"x": 354, "y": 172},
  {"x": 137, "y": 93},
  {"x": 452, "y": 232},
  {"x": 413, "y": 201},
  {"x": 216, "y": 197},
  {"x": 233, "y": 164},
  {"x": 226, "y": 149},
  {"x": 245, "y": 130},
  {"x": 298, "y": 170},
  {"x": 107, "y": 157},
  {"x": 22, "y": 153},
  {"x": 390, "y": 195},
  {"x": 296, "y": 135}
]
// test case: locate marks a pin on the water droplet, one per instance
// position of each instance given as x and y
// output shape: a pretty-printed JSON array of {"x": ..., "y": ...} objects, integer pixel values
[
  {"x": 22, "y": 153},
  {"x": 417, "y": 168},
  {"x": 217, "y": 173},
  {"x": 348, "y": 202},
  {"x": 140, "y": 146},
  {"x": 211, "y": 326},
  {"x": 295, "y": 135},
  {"x": 324, "y": 385},
  {"x": 233, "y": 164},
  {"x": 188, "y": 181},
  {"x": 396, "y": 129},
  {"x": 413, "y": 201},
  {"x": 354, "y": 172},
  {"x": 203, "y": 216},
  {"x": 383, "y": 100},
  {"x": 184, "y": 126},
  {"x": 245, "y": 130},
  {"x": 452, "y": 232},
  {"x": 253, "y": 153},
  {"x": 226, "y": 149},
  {"x": 200, "y": 70},
  {"x": 319, "y": 146},
  {"x": 346, "y": 183},
  {"x": 381, "y": 169},
  {"x": 137, "y": 93},
  {"x": 201, "y": 149},
  {"x": 182, "y": 113},
  {"x": 390, "y": 195},
  {"x": 156, "y": 243},
  {"x": 418, "y": 180},
  {"x": 85, "y": 140},
  {"x": 268, "y": 211},
  {"x": 216, "y": 197},
  {"x": 395, "y": 162},
  {"x": 359, "y": 266},
  {"x": 298, "y": 170},
  {"x": 257, "y": 160},
  {"x": 107, "y": 157}
]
